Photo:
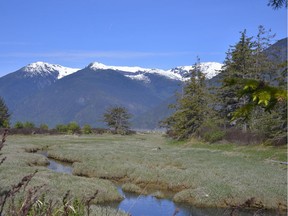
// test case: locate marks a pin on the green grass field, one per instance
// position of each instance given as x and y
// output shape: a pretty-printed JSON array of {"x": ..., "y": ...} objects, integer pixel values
[{"x": 213, "y": 175}]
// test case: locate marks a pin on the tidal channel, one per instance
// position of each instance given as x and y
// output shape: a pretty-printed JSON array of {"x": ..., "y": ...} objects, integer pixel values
[{"x": 148, "y": 205}]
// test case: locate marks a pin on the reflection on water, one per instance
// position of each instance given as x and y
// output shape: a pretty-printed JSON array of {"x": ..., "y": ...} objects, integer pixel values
[
  {"x": 142, "y": 205},
  {"x": 61, "y": 168},
  {"x": 58, "y": 166}
]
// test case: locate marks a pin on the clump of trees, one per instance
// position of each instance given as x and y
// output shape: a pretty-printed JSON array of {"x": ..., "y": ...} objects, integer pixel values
[
  {"x": 27, "y": 124},
  {"x": 116, "y": 118},
  {"x": 252, "y": 95},
  {"x": 70, "y": 128}
]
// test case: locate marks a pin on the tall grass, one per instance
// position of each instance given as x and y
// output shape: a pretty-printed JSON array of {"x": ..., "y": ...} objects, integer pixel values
[{"x": 40, "y": 193}]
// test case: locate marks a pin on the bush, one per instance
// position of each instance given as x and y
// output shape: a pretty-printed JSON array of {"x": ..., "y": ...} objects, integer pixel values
[
  {"x": 62, "y": 128},
  {"x": 99, "y": 130},
  {"x": 73, "y": 128},
  {"x": 237, "y": 136},
  {"x": 213, "y": 136},
  {"x": 211, "y": 132},
  {"x": 44, "y": 127},
  {"x": 87, "y": 129},
  {"x": 18, "y": 125},
  {"x": 28, "y": 124}
]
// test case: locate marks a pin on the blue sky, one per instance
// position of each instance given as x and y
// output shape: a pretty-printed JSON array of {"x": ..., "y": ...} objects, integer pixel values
[{"x": 147, "y": 33}]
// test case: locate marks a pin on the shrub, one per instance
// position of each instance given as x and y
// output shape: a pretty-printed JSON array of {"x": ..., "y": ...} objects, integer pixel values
[
  {"x": 73, "y": 128},
  {"x": 99, "y": 130},
  {"x": 18, "y": 125},
  {"x": 28, "y": 124},
  {"x": 44, "y": 127},
  {"x": 87, "y": 129},
  {"x": 237, "y": 136},
  {"x": 213, "y": 136},
  {"x": 211, "y": 132},
  {"x": 62, "y": 128}
]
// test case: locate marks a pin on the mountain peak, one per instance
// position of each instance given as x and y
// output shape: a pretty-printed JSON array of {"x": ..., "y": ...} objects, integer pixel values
[
  {"x": 46, "y": 69},
  {"x": 132, "y": 69},
  {"x": 210, "y": 69},
  {"x": 37, "y": 66}
]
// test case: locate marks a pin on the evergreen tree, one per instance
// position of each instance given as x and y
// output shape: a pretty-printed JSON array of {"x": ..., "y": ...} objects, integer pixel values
[
  {"x": 192, "y": 107},
  {"x": 4, "y": 114},
  {"x": 237, "y": 65},
  {"x": 277, "y": 4},
  {"x": 117, "y": 118},
  {"x": 248, "y": 92},
  {"x": 262, "y": 68}
]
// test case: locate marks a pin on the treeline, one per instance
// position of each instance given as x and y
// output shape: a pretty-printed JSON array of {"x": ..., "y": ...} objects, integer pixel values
[
  {"x": 116, "y": 118},
  {"x": 28, "y": 128},
  {"x": 250, "y": 97}
]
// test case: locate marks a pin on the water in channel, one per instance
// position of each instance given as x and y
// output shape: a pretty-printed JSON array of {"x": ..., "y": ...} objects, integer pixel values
[
  {"x": 147, "y": 205},
  {"x": 58, "y": 166}
]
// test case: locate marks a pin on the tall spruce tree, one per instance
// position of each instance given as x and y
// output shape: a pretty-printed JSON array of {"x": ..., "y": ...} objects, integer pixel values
[
  {"x": 191, "y": 108},
  {"x": 4, "y": 114},
  {"x": 248, "y": 91},
  {"x": 263, "y": 68},
  {"x": 237, "y": 65}
]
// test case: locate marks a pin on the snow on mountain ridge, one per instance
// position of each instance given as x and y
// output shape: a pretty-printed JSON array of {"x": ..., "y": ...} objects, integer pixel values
[
  {"x": 136, "y": 70},
  {"x": 140, "y": 77},
  {"x": 97, "y": 65},
  {"x": 45, "y": 69},
  {"x": 210, "y": 69}
]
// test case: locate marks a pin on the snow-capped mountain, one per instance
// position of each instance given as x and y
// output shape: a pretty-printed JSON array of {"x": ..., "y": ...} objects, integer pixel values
[
  {"x": 45, "y": 69},
  {"x": 211, "y": 69},
  {"x": 136, "y": 73},
  {"x": 39, "y": 93},
  {"x": 53, "y": 94}
]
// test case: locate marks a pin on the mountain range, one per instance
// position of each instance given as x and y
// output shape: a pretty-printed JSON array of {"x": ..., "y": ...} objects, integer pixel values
[{"x": 52, "y": 94}]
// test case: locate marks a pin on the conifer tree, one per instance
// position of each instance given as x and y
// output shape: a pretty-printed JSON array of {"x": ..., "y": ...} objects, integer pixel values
[
  {"x": 191, "y": 108},
  {"x": 262, "y": 68},
  {"x": 117, "y": 118},
  {"x": 277, "y": 4},
  {"x": 4, "y": 114},
  {"x": 248, "y": 93},
  {"x": 237, "y": 65}
]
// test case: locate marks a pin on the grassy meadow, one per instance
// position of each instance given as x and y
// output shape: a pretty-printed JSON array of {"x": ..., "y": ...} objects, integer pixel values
[{"x": 208, "y": 175}]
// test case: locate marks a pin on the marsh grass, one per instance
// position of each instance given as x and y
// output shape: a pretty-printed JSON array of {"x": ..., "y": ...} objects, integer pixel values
[
  {"x": 42, "y": 193},
  {"x": 132, "y": 188},
  {"x": 216, "y": 175}
]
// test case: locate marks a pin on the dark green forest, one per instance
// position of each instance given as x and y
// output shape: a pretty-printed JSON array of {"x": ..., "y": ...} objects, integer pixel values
[{"x": 251, "y": 97}]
